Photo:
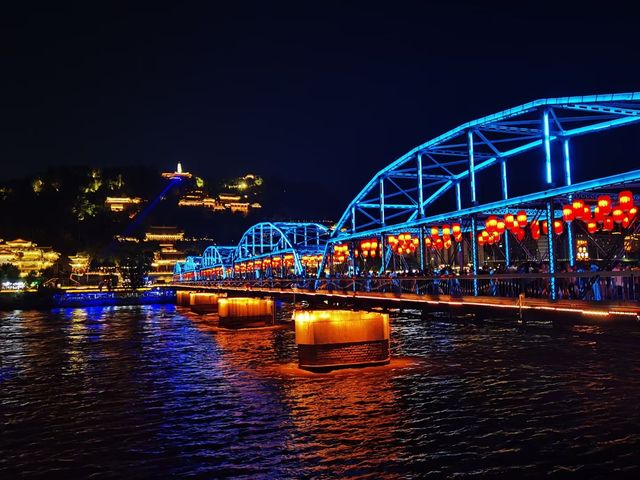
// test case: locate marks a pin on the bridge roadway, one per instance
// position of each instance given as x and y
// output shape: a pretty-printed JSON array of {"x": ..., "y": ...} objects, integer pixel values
[{"x": 482, "y": 307}]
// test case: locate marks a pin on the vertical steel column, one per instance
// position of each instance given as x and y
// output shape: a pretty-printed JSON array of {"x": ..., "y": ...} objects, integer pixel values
[
  {"x": 474, "y": 254},
  {"x": 382, "y": 253},
  {"x": 420, "y": 185},
  {"x": 547, "y": 145},
  {"x": 353, "y": 219},
  {"x": 382, "y": 202},
  {"x": 552, "y": 254},
  {"x": 567, "y": 179},
  {"x": 253, "y": 247},
  {"x": 472, "y": 168},
  {"x": 261, "y": 238},
  {"x": 505, "y": 195},
  {"x": 459, "y": 207},
  {"x": 421, "y": 249}
]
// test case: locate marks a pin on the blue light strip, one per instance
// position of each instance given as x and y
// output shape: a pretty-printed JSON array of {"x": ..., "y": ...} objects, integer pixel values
[
  {"x": 382, "y": 201},
  {"x": 567, "y": 178},
  {"x": 552, "y": 254},
  {"x": 490, "y": 120},
  {"x": 474, "y": 253},
  {"x": 613, "y": 180},
  {"x": 505, "y": 195},
  {"x": 547, "y": 145},
  {"x": 472, "y": 168},
  {"x": 458, "y": 196},
  {"x": 420, "y": 187},
  {"x": 567, "y": 161}
]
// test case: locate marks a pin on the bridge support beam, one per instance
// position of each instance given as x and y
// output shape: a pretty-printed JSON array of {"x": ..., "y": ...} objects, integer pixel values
[
  {"x": 567, "y": 178},
  {"x": 552, "y": 253},
  {"x": 474, "y": 254}
]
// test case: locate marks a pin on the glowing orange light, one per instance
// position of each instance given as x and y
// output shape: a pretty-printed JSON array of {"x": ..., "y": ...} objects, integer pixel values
[
  {"x": 522, "y": 218},
  {"x": 617, "y": 214},
  {"x": 626, "y": 199},
  {"x": 567, "y": 213},
  {"x": 558, "y": 227},
  {"x": 604, "y": 203}
]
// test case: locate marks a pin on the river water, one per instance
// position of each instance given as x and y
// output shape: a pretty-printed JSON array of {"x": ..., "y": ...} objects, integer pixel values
[{"x": 156, "y": 392}]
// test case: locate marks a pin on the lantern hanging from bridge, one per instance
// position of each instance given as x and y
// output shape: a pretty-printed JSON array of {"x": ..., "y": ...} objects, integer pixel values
[
  {"x": 626, "y": 199},
  {"x": 446, "y": 231},
  {"x": 592, "y": 226},
  {"x": 567, "y": 213},
  {"x": 586, "y": 213},
  {"x": 598, "y": 216},
  {"x": 558, "y": 227},
  {"x": 535, "y": 229},
  {"x": 607, "y": 223},
  {"x": 439, "y": 244},
  {"x": 508, "y": 220},
  {"x": 617, "y": 214},
  {"x": 604, "y": 204},
  {"x": 633, "y": 212},
  {"x": 578, "y": 208},
  {"x": 545, "y": 227},
  {"x": 480, "y": 239},
  {"x": 520, "y": 234},
  {"x": 485, "y": 235},
  {"x": 435, "y": 231},
  {"x": 626, "y": 222},
  {"x": 515, "y": 225},
  {"x": 491, "y": 223},
  {"x": 427, "y": 242},
  {"x": 501, "y": 226},
  {"x": 522, "y": 218},
  {"x": 456, "y": 228}
]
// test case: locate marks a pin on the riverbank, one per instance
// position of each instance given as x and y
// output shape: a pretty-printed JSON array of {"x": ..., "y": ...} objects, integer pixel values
[{"x": 55, "y": 298}]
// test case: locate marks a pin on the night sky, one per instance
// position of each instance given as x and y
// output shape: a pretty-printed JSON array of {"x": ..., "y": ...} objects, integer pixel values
[{"x": 318, "y": 91}]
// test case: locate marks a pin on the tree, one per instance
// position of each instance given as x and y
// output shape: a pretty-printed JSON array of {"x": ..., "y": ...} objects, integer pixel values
[
  {"x": 134, "y": 268},
  {"x": 9, "y": 273}
]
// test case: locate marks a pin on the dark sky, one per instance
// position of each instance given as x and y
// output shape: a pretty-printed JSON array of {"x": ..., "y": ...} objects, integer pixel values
[{"x": 328, "y": 91}]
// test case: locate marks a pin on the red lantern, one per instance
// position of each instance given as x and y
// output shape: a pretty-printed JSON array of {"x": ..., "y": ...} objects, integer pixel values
[
  {"x": 607, "y": 223},
  {"x": 586, "y": 213},
  {"x": 508, "y": 220},
  {"x": 626, "y": 199},
  {"x": 558, "y": 227},
  {"x": 625, "y": 222},
  {"x": 592, "y": 226},
  {"x": 427, "y": 241},
  {"x": 604, "y": 204},
  {"x": 434, "y": 231},
  {"x": 545, "y": 227},
  {"x": 501, "y": 226},
  {"x": 439, "y": 244},
  {"x": 485, "y": 235},
  {"x": 632, "y": 212},
  {"x": 567, "y": 213},
  {"x": 522, "y": 218},
  {"x": 446, "y": 231},
  {"x": 535, "y": 233},
  {"x": 480, "y": 239},
  {"x": 520, "y": 234},
  {"x": 491, "y": 223},
  {"x": 578, "y": 208},
  {"x": 456, "y": 228},
  {"x": 617, "y": 214},
  {"x": 597, "y": 214}
]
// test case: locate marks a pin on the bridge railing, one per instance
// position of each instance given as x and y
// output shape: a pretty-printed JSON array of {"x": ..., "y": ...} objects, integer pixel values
[{"x": 623, "y": 286}]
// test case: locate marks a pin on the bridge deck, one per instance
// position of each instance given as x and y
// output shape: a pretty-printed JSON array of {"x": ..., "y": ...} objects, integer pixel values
[{"x": 528, "y": 308}]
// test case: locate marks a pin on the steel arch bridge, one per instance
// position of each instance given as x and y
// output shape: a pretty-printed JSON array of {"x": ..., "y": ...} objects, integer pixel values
[
  {"x": 282, "y": 239},
  {"x": 437, "y": 181},
  {"x": 217, "y": 261}
]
